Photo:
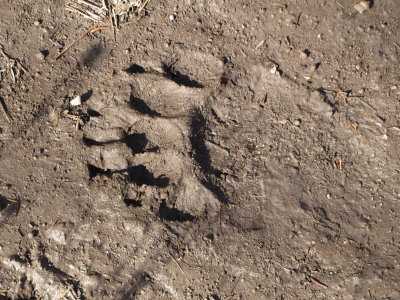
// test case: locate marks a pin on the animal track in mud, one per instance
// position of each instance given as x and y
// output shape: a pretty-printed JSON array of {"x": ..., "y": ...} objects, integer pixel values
[{"x": 154, "y": 139}]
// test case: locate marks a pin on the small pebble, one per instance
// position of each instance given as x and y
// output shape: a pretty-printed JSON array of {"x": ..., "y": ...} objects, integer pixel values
[
  {"x": 40, "y": 56},
  {"x": 304, "y": 54},
  {"x": 282, "y": 121},
  {"x": 36, "y": 23},
  {"x": 76, "y": 101},
  {"x": 297, "y": 122},
  {"x": 362, "y": 6},
  {"x": 308, "y": 72}
]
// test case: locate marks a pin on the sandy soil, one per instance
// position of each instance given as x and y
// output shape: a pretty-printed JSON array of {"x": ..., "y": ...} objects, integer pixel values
[{"x": 223, "y": 150}]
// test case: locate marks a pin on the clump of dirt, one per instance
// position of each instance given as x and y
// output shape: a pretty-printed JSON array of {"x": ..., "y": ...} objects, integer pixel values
[{"x": 218, "y": 151}]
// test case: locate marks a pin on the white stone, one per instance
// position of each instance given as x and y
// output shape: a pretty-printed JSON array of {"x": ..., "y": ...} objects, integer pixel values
[{"x": 76, "y": 101}]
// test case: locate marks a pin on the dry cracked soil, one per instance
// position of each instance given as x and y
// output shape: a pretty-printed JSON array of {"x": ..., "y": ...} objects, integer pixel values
[{"x": 222, "y": 150}]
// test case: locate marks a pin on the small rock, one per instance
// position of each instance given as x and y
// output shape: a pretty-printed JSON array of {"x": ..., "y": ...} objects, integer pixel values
[
  {"x": 273, "y": 69},
  {"x": 297, "y": 122},
  {"x": 282, "y": 121},
  {"x": 40, "y": 56},
  {"x": 76, "y": 101},
  {"x": 362, "y": 6},
  {"x": 56, "y": 235},
  {"x": 36, "y": 23},
  {"x": 308, "y": 72},
  {"x": 304, "y": 54}
]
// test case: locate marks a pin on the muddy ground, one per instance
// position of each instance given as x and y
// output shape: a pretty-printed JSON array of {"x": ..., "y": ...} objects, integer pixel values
[{"x": 223, "y": 150}]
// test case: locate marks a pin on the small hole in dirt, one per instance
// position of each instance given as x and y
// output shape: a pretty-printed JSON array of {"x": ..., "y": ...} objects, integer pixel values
[
  {"x": 173, "y": 214},
  {"x": 132, "y": 202},
  {"x": 140, "y": 175},
  {"x": 135, "y": 69}
]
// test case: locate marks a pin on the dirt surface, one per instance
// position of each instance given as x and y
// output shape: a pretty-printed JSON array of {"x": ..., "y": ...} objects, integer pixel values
[{"x": 223, "y": 150}]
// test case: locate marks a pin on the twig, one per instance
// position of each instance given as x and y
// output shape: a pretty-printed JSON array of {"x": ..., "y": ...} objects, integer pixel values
[
  {"x": 90, "y": 30},
  {"x": 317, "y": 282},
  {"x": 112, "y": 22},
  {"x": 340, "y": 5},
  {"x": 371, "y": 108},
  {"x": 73, "y": 43},
  {"x": 234, "y": 287},
  {"x": 177, "y": 263},
  {"x": 298, "y": 20},
  {"x": 367, "y": 105},
  {"x": 4, "y": 110},
  {"x": 90, "y": 4},
  {"x": 259, "y": 44},
  {"x": 12, "y": 200},
  {"x": 10, "y": 63},
  {"x": 143, "y": 5},
  {"x": 279, "y": 6},
  {"x": 239, "y": 152},
  {"x": 86, "y": 14},
  {"x": 21, "y": 66},
  {"x": 99, "y": 28}
]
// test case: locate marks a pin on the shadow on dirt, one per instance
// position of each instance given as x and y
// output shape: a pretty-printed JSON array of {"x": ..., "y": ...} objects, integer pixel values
[
  {"x": 137, "y": 142},
  {"x": 202, "y": 155},
  {"x": 132, "y": 202},
  {"x": 173, "y": 214},
  {"x": 180, "y": 78},
  {"x": 140, "y": 175},
  {"x": 132, "y": 288},
  {"x": 140, "y": 106},
  {"x": 90, "y": 57},
  {"x": 135, "y": 69}
]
